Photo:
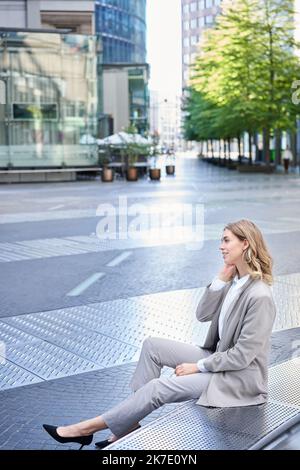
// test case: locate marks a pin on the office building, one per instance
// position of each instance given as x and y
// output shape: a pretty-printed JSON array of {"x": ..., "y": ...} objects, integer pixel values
[{"x": 197, "y": 15}]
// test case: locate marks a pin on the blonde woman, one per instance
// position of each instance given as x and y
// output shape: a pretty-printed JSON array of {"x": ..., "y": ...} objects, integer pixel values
[{"x": 231, "y": 369}]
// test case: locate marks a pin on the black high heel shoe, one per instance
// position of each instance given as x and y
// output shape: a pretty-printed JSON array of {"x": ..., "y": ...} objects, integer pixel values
[
  {"x": 83, "y": 440},
  {"x": 106, "y": 442},
  {"x": 102, "y": 444}
]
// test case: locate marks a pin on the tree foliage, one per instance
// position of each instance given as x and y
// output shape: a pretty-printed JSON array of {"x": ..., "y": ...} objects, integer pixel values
[{"x": 242, "y": 78}]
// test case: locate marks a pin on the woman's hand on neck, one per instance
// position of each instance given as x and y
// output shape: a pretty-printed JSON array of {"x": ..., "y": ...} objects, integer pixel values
[
  {"x": 227, "y": 272},
  {"x": 242, "y": 269}
]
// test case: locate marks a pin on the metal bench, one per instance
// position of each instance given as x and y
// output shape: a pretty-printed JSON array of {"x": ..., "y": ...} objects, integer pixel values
[{"x": 193, "y": 427}]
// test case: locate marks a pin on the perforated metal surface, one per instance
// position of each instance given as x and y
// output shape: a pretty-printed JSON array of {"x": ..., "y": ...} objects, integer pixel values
[
  {"x": 287, "y": 299},
  {"x": 192, "y": 427},
  {"x": 284, "y": 382}
]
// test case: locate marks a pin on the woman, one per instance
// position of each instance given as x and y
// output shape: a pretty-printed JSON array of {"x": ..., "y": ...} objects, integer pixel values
[{"x": 229, "y": 370}]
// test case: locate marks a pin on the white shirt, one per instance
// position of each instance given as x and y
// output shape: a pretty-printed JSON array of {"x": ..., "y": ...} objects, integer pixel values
[
  {"x": 287, "y": 155},
  {"x": 231, "y": 296}
]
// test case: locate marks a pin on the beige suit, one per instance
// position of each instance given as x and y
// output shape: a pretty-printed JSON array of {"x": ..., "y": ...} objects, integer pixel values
[
  {"x": 237, "y": 371},
  {"x": 240, "y": 364}
]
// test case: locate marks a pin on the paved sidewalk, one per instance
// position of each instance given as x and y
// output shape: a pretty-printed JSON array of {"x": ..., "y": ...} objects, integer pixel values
[
  {"x": 63, "y": 401},
  {"x": 67, "y": 353}
]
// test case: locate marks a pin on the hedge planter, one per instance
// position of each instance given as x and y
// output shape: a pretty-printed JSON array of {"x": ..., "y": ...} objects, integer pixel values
[
  {"x": 232, "y": 165},
  {"x": 154, "y": 174},
  {"x": 170, "y": 169},
  {"x": 107, "y": 175},
  {"x": 256, "y": 168},
  {"x": 132, "y": 174}
]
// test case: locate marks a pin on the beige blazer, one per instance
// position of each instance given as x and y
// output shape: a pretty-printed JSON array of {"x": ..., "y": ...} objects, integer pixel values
[{"x": 240, "y": 364}]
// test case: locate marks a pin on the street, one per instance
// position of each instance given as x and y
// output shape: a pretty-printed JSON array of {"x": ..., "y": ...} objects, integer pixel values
[{"x": 75, "y": 309}]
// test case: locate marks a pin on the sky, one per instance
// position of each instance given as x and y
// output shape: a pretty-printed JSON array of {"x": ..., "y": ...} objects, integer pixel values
[{"x": 164, "y": 46}]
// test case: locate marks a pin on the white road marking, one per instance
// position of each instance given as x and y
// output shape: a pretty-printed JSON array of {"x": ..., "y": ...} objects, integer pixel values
[
  {"x": 56, "y": 207},
  {"x": 85, "y": 284},
  {"x": 119, "y": 259}
]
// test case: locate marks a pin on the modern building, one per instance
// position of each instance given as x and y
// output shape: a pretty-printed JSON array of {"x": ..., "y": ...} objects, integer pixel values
[
  {"x": 64, "y": 70},
  {"x": 121, "y": 25},
  {"x": 76, "y": 16},
  {"x": 197, "y": 15},
  {"x": 126, "y": 95},
  {"x": 165, "y": 120},
  {"x": 48, "y": 83}
]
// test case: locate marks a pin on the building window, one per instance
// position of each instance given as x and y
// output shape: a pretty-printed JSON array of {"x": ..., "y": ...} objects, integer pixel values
[
  {"x": 193, "y": 58},
  {"x": 194, "y": 23},
  {"x": 186, "y": 25},
  {"x": 201, "y": 5},
  {"x": 194, "y": 40},
  {"x": 209, "y": 19},
  {"x": 193, "y": 6},
  {"x": 186, "y": 59},
  {"x": 208, "y": 3},
  {"x": 186, "y": 42},
  {"x": 186, "y": 9},
  {"x": 202, "y": 21}
]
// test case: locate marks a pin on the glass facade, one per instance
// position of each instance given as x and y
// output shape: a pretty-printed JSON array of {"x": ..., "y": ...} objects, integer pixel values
[
  {"x": 48, "y": 100},
  {"x": 139, "y": 98},
  {"x": 122, "y": 27}
]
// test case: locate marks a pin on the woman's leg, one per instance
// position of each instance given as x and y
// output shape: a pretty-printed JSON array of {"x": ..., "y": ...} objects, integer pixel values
[
  {"x": 88, "y": 427},
  {"x": 122, "y": 418},
  {"x": 159, "y": 352},
  {"x": 84, "y": 428},
  {"x": 156, "y": 353},
  {"x": 151, "y": 396}
]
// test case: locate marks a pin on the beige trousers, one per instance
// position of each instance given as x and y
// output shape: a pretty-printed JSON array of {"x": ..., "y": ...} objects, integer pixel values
[{"x": 152, "y": 391}]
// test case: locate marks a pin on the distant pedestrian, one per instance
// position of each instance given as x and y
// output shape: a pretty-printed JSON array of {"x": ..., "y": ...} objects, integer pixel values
[
  {"x": 287, "y": 157},
  {"x": 229, "y": 370}
]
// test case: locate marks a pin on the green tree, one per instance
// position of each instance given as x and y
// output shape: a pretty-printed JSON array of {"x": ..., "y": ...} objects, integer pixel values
[{"x": 246, "y": 67}]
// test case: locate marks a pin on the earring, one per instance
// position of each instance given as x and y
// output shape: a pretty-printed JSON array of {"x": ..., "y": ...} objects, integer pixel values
[{"x": 248, "y": 255}]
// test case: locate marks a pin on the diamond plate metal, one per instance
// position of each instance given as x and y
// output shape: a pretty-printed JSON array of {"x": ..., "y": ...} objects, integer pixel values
[
  {"x": 102, "y": 350},
  {"x": 48, "y": 361},
  {"x": 45, "y": 248},
  {"x": 12, "y": 376},
  {"x": 39, "y": 357},
  {"x": 192, "y": 427},
  {"x": 111, "y": 333},
  {"x": 13, "y": 336}
]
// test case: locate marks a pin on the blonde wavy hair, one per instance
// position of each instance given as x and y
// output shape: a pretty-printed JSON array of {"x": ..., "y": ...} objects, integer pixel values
[{"x": 257, "y": 256}]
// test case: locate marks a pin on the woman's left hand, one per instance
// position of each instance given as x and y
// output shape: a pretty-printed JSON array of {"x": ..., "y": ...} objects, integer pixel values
[{"x": 186, "y": 369}]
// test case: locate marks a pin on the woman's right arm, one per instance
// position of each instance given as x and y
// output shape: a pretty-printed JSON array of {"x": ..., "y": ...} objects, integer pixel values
[
  {"x": 209, "y": 303},
  {"x": 213, "y": 294}
]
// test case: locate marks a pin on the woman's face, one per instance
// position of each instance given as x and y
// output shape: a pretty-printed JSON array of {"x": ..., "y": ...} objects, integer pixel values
[{"x": 232, "y": 247}]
